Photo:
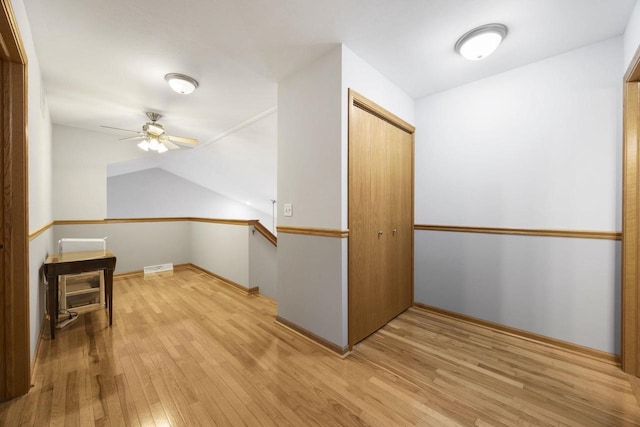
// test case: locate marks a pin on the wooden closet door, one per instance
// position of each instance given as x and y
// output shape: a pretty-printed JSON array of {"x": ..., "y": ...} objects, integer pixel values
[
  {"x": 362, "y": 240},
  {"x": 400, "y": 157},
  {"x": 380, "y": 201}
]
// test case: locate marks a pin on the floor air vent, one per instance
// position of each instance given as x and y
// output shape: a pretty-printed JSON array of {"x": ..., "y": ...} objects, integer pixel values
[{"x": 158, "y": 268}]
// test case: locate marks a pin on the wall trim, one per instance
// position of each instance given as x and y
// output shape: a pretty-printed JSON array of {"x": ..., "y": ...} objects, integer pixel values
[
  {"x": 373, "y": 108},
  {"x": 630, "y": 324},
  {"x": 15, "y": 334},
  {"x": 11, "y": 49},
  {"x": 40, "y": 230},
  {"x": 257, "y": 226},
  {"x": 310, "y": 231},
  {"x": 263, "y": 230},
  {"x": 244, "y": 222},
  {"x": 237, "y": 286},
  {"x": 592, "y": 353},
  {"x": 580, "y": 234},
  {"x": 325, "y": 344}
]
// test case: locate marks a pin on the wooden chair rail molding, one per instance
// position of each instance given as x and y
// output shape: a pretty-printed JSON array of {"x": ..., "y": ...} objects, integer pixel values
[
  {"x": 257, "y": 226},
  {"x": 329, "y": 232},
  {"x": 40, "y": 230},
  {"x": 159, "y": 219},
  {"x": 245, "y": 222},
  {"x": 310, "y": 231},
  {"x": 581, "y": 234}
]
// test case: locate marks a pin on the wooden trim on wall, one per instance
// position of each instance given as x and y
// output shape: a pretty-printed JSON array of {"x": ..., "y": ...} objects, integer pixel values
[
  {"x": 519, "y": 333},
  {"x": 237, "y": 286},
  {"x": 11, "y": 47},
  {"x": 327, "y": 345},
  {"x": 371, "y": 107},
  {"x": 245, "y": 222},
  {"x": 606, "y": 235},
  {"x": 40, "y": 230},
  {"x": 15, "y": 364},
  {"x": 630, "y": 324},
  {"x": 257, "y": 225},
  {"x": 79, "y": 221},
  {"x": 309, "y": 231}
]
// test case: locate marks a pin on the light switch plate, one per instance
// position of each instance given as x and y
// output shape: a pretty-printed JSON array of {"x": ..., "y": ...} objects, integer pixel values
[{"x": 288, "y": 209}]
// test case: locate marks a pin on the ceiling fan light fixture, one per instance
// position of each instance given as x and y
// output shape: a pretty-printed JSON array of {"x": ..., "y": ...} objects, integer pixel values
[
  {"x": 181, "y": 83},
  {"x": 154, "y": 144},
  {"x": 162, "y": 148},
  {"x": 144, "y": 145},
  {"x": 481, "y": 41}
]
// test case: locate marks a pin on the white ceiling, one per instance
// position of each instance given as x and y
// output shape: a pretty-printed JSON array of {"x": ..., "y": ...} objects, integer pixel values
[{"x": 103, "y": 62}]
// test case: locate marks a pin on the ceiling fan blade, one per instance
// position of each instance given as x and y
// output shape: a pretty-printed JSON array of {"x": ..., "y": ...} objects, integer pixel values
[
  {"x": 126, "y": 130},
  {"x": 170, "y": 145},
  {"x": 182, "y": 140},
  {"x": 131, "y": 138}
]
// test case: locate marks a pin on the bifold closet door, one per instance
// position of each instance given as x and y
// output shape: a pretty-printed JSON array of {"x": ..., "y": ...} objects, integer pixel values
[
  {"x": 380, "y": 219},
  {"x": 400, "y": 158}
]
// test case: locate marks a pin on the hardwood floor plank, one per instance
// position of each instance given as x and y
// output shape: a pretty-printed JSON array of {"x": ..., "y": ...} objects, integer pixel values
[{"x": 186, "y": 349}]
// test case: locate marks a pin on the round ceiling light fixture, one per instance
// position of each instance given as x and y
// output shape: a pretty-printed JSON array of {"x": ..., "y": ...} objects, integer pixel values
[
  {"x": 481, "y": 41},
  {"x": 181, "y": 83}
]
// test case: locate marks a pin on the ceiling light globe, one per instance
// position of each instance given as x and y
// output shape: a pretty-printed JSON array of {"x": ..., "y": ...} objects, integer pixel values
[
  {"x": 144, "y": 145},
  {"x": 181, "y": 83},
  {"x": 162, "y": 148},
  {"x": 480, "y": 46},
  {"x": 481, "y": 42},
  {"x": 154, "y": 144}
]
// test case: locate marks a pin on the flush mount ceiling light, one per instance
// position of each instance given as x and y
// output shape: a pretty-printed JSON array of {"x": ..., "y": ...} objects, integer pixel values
[
  {"x": 181, "y": 83},
  {"x": 481, "y": 41}
]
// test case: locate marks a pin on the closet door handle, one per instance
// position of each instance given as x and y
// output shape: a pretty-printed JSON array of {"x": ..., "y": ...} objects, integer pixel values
[
  {"x": 379, "y": 233},
  {"x": 394, "y": 231}
]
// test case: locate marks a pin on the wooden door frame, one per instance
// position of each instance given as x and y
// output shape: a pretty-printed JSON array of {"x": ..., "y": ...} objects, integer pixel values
[
  {"x": 358, "y": 101},
  {"x": 15, "y": 355}
]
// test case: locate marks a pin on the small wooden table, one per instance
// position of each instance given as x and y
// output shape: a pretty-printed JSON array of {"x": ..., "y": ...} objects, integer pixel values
[{"x": 74, "y": 263}]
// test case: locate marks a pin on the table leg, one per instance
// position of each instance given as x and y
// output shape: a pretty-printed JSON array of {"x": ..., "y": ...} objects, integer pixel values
[
  {"x": 53, "y": 305},
  {"x": 108, "y": 280}
]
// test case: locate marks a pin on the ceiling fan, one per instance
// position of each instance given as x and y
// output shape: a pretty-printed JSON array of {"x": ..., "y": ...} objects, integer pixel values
[{"x": 154, "y": 138}]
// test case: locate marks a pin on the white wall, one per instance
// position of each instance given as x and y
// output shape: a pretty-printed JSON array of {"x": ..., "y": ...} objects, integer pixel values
[
  {"x": 632, "y": 36},
  {"x": 263, "y": 265},
  {"x": 39, "y": 250},
  {"x": 536, "y": 147},
  {"x": 311, "y": 286},
  {"x": 310, "y": 177},
  {"x": 153, "y": 193},
  {"x": 80, "y": 159},
  {"x": 312, "y": 174},
  {"x": 222, "y": 249},
  {"x": 309, "y": 144},
  {"x": 564, "y": 288},
  {"x": 137, "y": 244}
]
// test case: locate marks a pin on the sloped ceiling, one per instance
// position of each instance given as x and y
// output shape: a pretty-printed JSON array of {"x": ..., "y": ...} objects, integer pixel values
[{"x": 103, "y": 63}]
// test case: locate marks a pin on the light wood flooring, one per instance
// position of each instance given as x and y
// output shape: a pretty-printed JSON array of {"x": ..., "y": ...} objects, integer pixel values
[{"x": 188, "y": 350}]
